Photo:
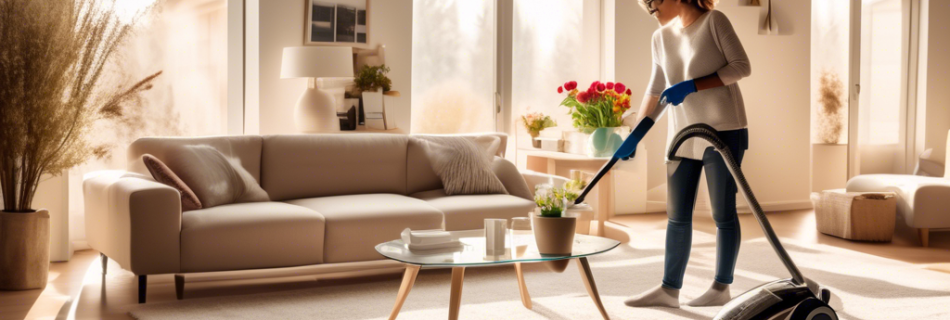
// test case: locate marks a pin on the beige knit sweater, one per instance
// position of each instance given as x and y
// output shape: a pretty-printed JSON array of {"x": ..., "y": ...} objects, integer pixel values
[{"x": 708, "y": 45}]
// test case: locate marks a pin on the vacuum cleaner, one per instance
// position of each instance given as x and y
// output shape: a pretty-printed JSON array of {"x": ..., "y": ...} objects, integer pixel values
[{"x": 795, "y": 298}]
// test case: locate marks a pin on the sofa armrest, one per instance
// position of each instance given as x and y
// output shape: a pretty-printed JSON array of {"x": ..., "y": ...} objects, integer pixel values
[
  {"x": 536, "y": 178},
  {"x": 133, "y": 220}
]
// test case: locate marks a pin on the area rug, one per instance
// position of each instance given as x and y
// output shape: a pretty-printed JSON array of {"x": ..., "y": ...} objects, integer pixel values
[{"x": 863, "y": 287}]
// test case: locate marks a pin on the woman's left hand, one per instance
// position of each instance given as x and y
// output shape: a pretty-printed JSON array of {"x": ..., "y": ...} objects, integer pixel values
[{"x": 678, "y": 92}]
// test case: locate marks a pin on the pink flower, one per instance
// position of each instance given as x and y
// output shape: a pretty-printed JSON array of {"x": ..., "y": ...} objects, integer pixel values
[
  {"x": 628, "y": 92},
  {"x": 601, "y": 87},
  {"x": 619, "y": 87},
  {"x": 610, "y": 85},
  {"x": 570, "y": 85},
  {"x": 560, "y": 90},
  {"x": 583, "y": 97}
]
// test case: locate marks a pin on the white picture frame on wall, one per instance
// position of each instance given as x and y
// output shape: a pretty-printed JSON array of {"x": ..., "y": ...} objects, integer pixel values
[{"x": 337, "y": 22}]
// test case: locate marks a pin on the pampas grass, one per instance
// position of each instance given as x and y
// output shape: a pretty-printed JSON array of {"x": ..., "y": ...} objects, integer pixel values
[
  {"x": 52, "y": 57},
  {"x": 831, "y": 109}
]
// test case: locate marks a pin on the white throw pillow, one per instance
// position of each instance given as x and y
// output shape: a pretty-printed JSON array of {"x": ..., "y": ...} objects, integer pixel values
[
  {"x": 214, "y": 178},
  {"x": 462, "y": 165}
]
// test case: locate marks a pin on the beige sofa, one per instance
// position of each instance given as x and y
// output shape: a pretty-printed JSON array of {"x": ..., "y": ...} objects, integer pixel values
[
  {"x": 333, "y": 198},
  {"x": 921, "y": 201}
]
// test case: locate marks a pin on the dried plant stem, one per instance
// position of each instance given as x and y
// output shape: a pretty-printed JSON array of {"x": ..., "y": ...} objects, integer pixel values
[{"x": 53, "y": 55}]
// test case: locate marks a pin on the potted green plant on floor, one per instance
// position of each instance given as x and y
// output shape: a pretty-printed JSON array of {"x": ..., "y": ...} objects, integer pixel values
[
  {"x": 52, "y": 56},
  {"x": 598, "y": 111},
  {"x": 553, "y": 231}
]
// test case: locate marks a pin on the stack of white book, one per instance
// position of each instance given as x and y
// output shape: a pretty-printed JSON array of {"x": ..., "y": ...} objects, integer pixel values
[{"x": 428, "y": 239}]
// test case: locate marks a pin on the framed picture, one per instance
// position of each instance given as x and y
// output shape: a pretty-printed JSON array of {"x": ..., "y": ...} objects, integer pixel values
[{"x": 337, "y": 22}]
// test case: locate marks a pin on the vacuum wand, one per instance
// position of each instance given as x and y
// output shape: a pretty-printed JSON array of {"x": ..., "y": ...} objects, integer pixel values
[{"x": 626, "y": 151}]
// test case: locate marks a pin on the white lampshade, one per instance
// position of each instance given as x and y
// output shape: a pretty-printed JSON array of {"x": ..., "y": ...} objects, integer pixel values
[{"x": 317, "y": 62}]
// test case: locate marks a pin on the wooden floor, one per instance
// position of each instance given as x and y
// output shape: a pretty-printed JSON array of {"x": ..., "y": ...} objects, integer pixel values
[{"x": 75, "y": 290}]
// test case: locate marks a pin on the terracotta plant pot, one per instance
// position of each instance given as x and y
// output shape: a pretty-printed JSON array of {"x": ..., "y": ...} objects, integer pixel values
[
  {"x": 555, "y": 236},
  {"x": 24, "y": 250}
]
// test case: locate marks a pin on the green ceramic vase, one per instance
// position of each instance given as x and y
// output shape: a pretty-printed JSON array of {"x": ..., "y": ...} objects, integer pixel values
[{"x": 604, "y": 142}]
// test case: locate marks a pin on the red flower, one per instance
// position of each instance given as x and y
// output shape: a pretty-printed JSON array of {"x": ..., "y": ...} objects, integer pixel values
[
  {"x": 583, "y": 97},
  {"x": 601, "y": 87},
  {"x": 570, "y": 85},
  {"x": 610, "y": 85},
  {"x": 619, "y": 87},
  {"x": 593, "y": 85},
  {"x": 628, "y": 92},
  {"x": 560, "y": 90}
]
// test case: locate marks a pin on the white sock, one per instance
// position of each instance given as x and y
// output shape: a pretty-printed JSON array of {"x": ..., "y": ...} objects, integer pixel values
[
  {"x": 717, "y": 295},
  {"x": 659, "y": 296}
]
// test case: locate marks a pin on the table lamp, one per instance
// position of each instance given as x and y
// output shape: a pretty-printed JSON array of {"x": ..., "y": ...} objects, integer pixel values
[{"x": 316, "y": 109}]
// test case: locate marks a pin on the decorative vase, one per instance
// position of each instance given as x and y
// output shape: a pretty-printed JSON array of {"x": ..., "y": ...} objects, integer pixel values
[
  {"x": 554, "y": 236},
  {"x": 534, "y": 139},
  {"x": 24, "y": 242},
  {"x": 604, "y": 142},
  {"x": 373, "y": 109}
]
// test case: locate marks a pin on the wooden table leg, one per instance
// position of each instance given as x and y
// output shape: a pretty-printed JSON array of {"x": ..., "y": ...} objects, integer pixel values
[
  {"x": 525, "y": 297},
  {"x": 605, "y": 202},
  {"x": 455, "y": 300},
  {"x": 408, "y": 279},
  {"x": 588, "y": 278}
]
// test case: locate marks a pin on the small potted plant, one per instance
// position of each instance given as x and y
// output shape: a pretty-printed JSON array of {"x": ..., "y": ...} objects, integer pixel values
[
  {"x": 372, "y": 82},
  {"x": 553, "y": 231},
  {"x": 535, "y": 122},
  {"x": 598, "y": 111}
]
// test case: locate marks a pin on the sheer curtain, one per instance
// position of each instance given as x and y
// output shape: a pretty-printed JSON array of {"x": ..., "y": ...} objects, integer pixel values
[
  {"x": 187, "y": 41},
  {"x": 553, "y": 41},
  {"x": 881, "y": 116},
  {"x": 453, "y": 66}
]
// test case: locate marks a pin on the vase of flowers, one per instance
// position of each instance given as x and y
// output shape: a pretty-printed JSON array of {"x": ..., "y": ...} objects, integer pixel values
[
  {"x": 553, "y": 231},
  {"x": 535, "y": 122},
  {"x": 598, "y": 111}
]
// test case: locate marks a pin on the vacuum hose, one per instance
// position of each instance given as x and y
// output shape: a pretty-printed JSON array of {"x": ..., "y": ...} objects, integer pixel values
[{"x": 706, "y": 132}]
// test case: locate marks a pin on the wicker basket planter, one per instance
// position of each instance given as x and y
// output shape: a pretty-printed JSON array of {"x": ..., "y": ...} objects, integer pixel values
[{"x": 856, "y": 215}]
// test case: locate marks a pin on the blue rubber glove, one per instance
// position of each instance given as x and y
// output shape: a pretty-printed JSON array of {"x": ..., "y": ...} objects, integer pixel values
[
  {"x": 629, "y": 147},
  {"x": 678, "y": 92}
]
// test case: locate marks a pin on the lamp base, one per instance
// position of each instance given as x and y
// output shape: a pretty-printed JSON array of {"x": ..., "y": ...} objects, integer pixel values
[{"x": 316, "y": 112}]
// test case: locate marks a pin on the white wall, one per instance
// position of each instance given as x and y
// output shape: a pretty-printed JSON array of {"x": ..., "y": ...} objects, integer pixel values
[
  {"x": 933, "y": 100},
  {"x": 776, "y": 98},
  {"x": 281, "y": 24}
]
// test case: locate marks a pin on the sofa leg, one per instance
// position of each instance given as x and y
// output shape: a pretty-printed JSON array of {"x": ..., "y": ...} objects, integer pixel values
[
  {"x": 143, "y": 281},
  {"x": 924, "y": 236},
  {"x": 105, "y": 262},
  {"x": 180, "y": 286}
]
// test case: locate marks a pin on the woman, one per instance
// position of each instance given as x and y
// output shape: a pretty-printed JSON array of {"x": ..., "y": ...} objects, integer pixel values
[{"x": 696, "y": 51}]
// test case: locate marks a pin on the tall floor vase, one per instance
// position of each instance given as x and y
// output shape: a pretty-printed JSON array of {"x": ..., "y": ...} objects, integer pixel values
[{"x": 24, "y": 250}]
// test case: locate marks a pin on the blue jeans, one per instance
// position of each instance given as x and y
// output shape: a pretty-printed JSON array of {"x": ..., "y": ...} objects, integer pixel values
[{"x": 682, "y": 182}]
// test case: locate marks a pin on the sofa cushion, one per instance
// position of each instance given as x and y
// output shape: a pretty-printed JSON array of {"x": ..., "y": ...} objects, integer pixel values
[
  {"x": 214, "y": 178},
  {"x": 355, "y": 224},
  {"x": 246, "y": 149},
  {"x": 161, "y": 173},
  {"x": 463, "y": 166},
  {"x": 251, "y": 236},
  {"x": 421, "y": 176},
  {"x": 306, "y": 166},
  {"x": 468, "y": 212}
]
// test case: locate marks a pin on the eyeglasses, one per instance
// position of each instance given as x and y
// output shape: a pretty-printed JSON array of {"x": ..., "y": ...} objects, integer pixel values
[{"x": 649, "y": 5}]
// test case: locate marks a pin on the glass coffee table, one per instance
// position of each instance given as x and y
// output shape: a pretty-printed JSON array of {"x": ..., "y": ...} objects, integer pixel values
[{"x": 520, "y": 248}]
